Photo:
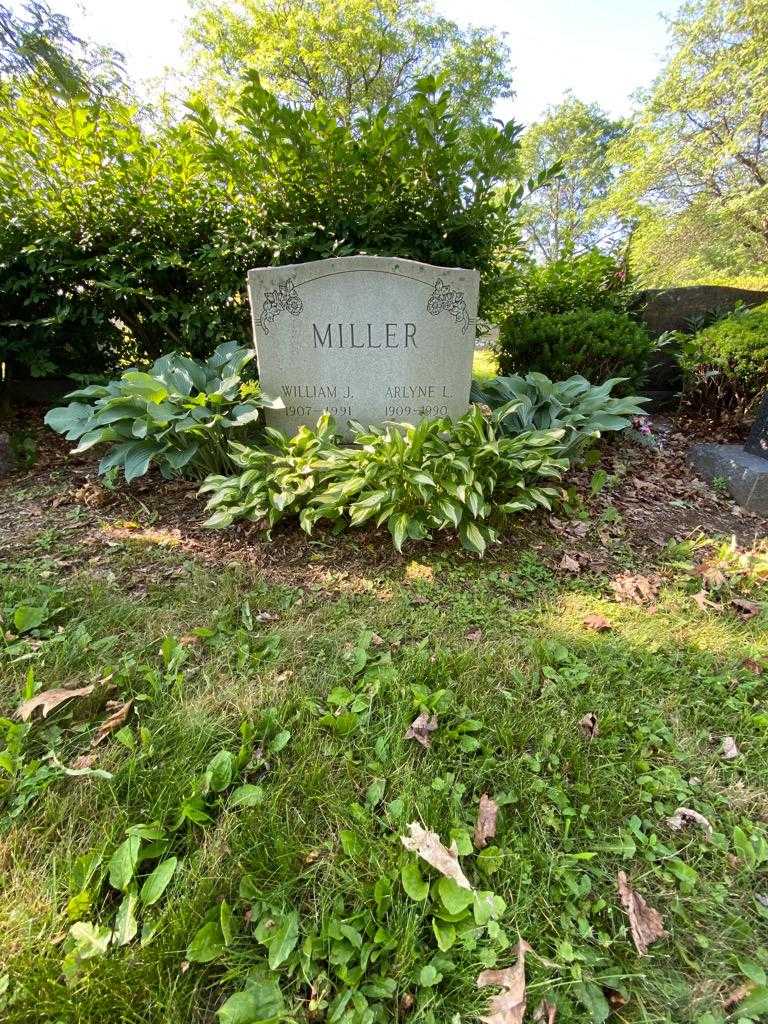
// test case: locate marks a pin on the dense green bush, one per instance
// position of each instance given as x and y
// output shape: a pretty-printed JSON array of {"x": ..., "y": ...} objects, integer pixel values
[
  {"x": 575, "y": 406},
  {"x": 179, "y": 415},
  {"x": 592, "y": 280},
  {"x": 417, "y": 479},
  {"x": 726, "y": 365},
  {"x": 597, "y": 344},
  {"x": 124, "y": 234}
]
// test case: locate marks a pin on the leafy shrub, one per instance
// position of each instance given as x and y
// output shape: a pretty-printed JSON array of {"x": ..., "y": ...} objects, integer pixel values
[
  {"x": 534, "y": 402},
  {"x": 123, "y": 234},
  {"x": 726, "y": 365},
  {"x": 435, "y": 476},
  {"x": 179, "y": 415},
  {"x": 592, "y": 280},
  {"x": 598, "y": 344}
]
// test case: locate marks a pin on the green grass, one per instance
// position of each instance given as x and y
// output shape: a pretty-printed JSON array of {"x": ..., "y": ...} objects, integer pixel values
[
  {"x": 574, "y": 811},
  {"x": 484, "y": 364}
]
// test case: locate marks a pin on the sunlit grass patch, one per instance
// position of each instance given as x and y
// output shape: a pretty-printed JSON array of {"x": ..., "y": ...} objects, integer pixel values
[{"x": 329, "y": 678}]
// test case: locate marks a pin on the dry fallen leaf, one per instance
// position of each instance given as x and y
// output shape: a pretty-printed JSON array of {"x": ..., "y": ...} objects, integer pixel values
[
  {"x": 588, "y": 725},
  {"x": 745, "y": 609},
  {"x": 509, "y": 1006},
  {"x": 646, "y": 924},
  {"x": 545, "y": 1013},
  {"x": 685, "y": 816},
  {"x": 427, "y": 845},
  {"x": 421, "y": 727},
  {"x": 635, "y": 589},
  {"x": 84, "y": 761},
  {"x": 474, "y": 635},
  {"x": 569, "y": 564},
  {"x": 118, "y": 716},
  {"x": 49, "y": 700},
  {"x": 729, "y": 749},
  {"x": 485, "y": 827},
  {"x": 703, "y": 602},
  {"x": 738, "y": 995},
  {"x": 407, "y": 1003},
  {"x": 753, "y": 666},
  {"x": 597, "y": 622}
]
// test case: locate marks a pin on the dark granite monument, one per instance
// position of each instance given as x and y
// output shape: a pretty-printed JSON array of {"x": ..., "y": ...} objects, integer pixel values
[
  {"x": 745, "y": 470},
  {"x": 757, "y": 442}
]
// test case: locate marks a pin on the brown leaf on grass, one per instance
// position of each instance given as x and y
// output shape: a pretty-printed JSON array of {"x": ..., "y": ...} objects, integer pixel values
[
  {"x": 474, "y": 635},
  {"x": 427, "y": 845},
  {"x": 703, "y": 602},
  {"x": 569, "y": 564},
  {"x": 729, "y": 750},
  {"x": 684, "y": 816},
  {"x": 645, "y": 923},
  {"x": 746, "y": 610},
  {"x": 631, "y": 589},
  {"x": 421, "y": 727},
  {"x": 84, "y": 761},
  {"x": 407, "y": 1002},
  {"x": 588, "y": 725},
  {"x": 738, "y": 995},
  {"x": 118, "y": 716},
  {"x": 545, "y": 1013},
  {"x": 49, "y": 700},
  {"x": 485, "y": 826},
  {"x": 753, "y": 666},
  {"x": 597, "y": 622},
  {"x": 712, "y": 575},
  {"x": 509, "y": 1006}
]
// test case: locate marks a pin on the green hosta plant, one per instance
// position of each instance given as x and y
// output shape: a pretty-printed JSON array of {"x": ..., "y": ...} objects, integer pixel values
[
  {"x": 580, "y": 409},
  {"x": 417, "y": 479},
  {"x": 180, "y": 415}
]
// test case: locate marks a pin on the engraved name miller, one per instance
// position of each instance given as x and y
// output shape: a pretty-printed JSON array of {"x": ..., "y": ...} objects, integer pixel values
[{"x": 365, "y": 338}]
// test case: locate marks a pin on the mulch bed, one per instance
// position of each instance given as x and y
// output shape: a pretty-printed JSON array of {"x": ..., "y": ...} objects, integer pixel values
[{"x": 653, "y": 489}]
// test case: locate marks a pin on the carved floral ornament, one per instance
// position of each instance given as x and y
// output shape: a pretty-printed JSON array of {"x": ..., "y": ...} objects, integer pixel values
[{"x": 285, "y": 297}]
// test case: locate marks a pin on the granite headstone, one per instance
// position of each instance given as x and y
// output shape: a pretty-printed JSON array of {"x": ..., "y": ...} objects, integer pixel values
[
  {"x": 744, "y": 469},
  {"x": 366, "y": 338},
  {"x": 757, "y": 442}
]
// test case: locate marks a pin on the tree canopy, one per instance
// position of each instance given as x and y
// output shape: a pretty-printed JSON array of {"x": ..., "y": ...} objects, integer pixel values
[
  {"x": 357, "y": 56},
  {"x": 563, "y": 216},
  {"x": 695, "y": 161}
]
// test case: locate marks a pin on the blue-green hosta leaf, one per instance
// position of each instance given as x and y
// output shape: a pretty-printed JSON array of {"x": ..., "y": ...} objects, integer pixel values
[
  {"x": 242, "y": 414},
  {"x": 69, "y": 418},
  {"x": 144, "y": 385},
  {"x": 91, "y": 438},
  {"x": 138, "y": 457},
  {"x": 180, "y": 457}
]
